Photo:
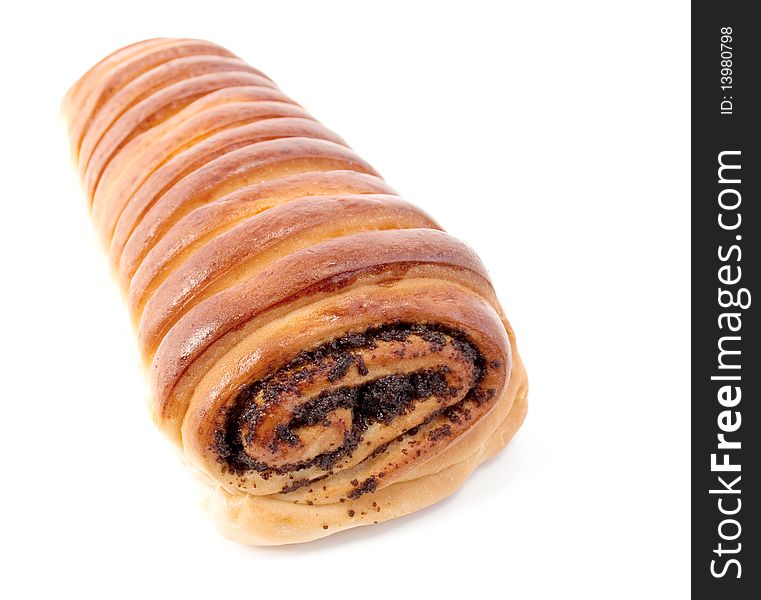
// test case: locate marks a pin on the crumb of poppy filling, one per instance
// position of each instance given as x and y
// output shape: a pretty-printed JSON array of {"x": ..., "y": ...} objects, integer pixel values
[{"x": 367, "y": 486}]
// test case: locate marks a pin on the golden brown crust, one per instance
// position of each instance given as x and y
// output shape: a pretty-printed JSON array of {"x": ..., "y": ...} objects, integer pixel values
[
  {"x": 102, "y": 82},
  {"x": 154, "y": 110},
  {"x": 87, "y": 95},
  {"x": 254, "y": 122},
  {"x": 155, "y": 209},
  {"x": 210, "y": 114},
  {"x": 152, "y": 82},
  {"x": 321, "y": 351},
  {"x": 239, "y": 253},
  {"x": 203, "y": 224}
]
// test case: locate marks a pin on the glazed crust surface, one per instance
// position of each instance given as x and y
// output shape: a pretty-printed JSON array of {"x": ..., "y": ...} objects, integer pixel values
[{"x": 322, "y": 353}]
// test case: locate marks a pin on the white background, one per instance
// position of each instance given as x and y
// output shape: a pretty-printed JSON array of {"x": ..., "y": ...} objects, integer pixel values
[{"x": 553, "y": 137}]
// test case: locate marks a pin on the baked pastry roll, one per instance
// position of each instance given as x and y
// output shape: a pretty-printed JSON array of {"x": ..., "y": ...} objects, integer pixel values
[{"x": 319, "y": 349}]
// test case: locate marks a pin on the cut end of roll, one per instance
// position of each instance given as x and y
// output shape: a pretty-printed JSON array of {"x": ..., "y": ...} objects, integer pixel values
[{"x": 275, "y": 520}]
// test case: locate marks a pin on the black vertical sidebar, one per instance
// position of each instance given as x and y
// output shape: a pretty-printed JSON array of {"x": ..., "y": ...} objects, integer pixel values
[{"x": 726, "y": 300}]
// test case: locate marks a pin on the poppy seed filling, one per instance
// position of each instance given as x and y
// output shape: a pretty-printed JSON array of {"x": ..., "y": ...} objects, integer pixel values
[{"x": 379, "y": 400}]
